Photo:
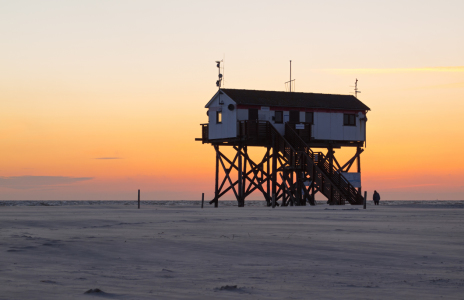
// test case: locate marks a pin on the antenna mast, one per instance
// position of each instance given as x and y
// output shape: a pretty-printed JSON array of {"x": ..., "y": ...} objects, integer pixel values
[
  {"x": 290, "y": 82},
  {"x": 219, "y": 81},
  {"x": 356, "y": 91}
]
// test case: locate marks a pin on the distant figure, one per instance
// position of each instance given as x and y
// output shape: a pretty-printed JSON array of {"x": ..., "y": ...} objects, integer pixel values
[{"x": 376, "y": 198}]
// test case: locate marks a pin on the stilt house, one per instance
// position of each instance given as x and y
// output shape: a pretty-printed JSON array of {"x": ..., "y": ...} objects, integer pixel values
[
  {"x": 334, "y": 119},
  {"x": 289, "y": 124}
]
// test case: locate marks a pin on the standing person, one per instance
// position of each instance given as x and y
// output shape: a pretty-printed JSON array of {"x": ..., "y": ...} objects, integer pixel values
[{"x": 376, "y": 198}]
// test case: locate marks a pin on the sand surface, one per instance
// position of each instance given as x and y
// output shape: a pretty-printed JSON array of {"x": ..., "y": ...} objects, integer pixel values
[{"x": 322, "y": 252}]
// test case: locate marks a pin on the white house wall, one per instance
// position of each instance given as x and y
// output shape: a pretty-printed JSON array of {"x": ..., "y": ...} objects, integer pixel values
[
  {"x": 336, "y": 126},
  {"x": 321, "y": 130},
  {"x": 329, "y": 126},
  {"x": 228, "y": 127}
]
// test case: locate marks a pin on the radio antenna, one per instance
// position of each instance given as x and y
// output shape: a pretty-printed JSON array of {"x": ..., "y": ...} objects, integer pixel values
[
  {"x": 356, "y": 91},
  {"x": 291, "y": 80},
  {"x": 219, "y": 81}
]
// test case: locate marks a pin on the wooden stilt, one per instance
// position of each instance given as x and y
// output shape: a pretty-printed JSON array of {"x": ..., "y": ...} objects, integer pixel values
[
  {"x": 313, "y": 177},
  {"x": 268, "y": 169},
  {"x": 359, "y": 165},
  {"x": 240, "y": 181},
  {"x": 330, "y": 155},
  {"x": 242, "y": 199},
  {"x": 216, "y": 190},
  {"x": 291, "y": 182},
  {"x": 274, "y": 172}
]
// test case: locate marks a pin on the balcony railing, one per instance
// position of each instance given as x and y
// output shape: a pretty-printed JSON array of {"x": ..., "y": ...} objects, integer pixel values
[
  {"x": 255, "y": 130},
  {"x": 204, "y": 133}
]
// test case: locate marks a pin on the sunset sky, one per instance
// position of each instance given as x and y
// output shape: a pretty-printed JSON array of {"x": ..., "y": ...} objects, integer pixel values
[{"x": 101, "y": 98}]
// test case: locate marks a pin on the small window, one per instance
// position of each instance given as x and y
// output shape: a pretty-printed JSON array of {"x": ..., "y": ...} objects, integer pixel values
[
  {"x": 309, "y": 117},
  {"x": 253, "y": 114},
  {"x": 279, "y": 117},
  {"x": 294, "y": 116},
  {"x": 349, "y": 119},
  {"x": 218, "y": 117}
]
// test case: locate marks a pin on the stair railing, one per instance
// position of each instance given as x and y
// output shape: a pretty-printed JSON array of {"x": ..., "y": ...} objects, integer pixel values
[{"x": 335, "y": 176}]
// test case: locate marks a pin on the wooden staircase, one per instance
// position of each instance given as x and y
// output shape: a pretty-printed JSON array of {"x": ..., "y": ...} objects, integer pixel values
[{"x": 330, "y": 182}]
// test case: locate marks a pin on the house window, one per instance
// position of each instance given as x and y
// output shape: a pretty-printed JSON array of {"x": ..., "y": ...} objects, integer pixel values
[
  {"x": 294, "y": 116},
  {"x": 218, "y": 117},
  {"x": 279, "y": 117},
  {"x": 349, "y": 119},
  {"x": 253, "y": 114},
  {"x": 309, "y": 117}
]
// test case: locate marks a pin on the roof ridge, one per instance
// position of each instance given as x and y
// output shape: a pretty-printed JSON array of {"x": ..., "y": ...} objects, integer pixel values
[
  {"x": 295, "y": 99},
  {"x": 287, "y": 92}
]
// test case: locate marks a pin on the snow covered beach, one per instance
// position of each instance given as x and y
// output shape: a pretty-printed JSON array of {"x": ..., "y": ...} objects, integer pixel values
[{"x": 183, "y": 252}]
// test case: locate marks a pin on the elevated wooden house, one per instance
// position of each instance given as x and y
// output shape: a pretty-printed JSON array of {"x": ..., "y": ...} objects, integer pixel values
[{"x": 289, "y": 125}]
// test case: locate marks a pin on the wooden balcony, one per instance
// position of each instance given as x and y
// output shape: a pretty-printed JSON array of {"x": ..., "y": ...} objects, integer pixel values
[
  {"x": 204, "y": 134},
  {"x": 255, "y": 133}
]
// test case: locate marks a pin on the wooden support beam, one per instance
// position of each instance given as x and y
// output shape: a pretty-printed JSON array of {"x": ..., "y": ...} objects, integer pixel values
[
  {"x": 240, "y": 181},
  {"x": 309, "y": 198},
  {"x": 274, "y": 169},
  {"x": 227, "y": 176},
  {"x": 228, "y": 189},
  {"x": 256, "y": 169},
  {"x": 300, "y": 186},
  {"x": 336, "y": 162},
  {"x": 349, "y": 163},
  {"x": 290, "y": 189},
  {"x": 245, "y": 149},
  {"x": 216, "y": 190},
  {"x": 313, "y": 182},
  {"x": 359, "y": 165},
  {"x": 268, "y": 179},
  {"x": 227, "y": 172},
  {"x": 330, "y": 155}
]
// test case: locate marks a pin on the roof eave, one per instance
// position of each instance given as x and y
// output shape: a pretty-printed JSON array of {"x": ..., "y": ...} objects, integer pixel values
[{"x": 211, "y": 100}]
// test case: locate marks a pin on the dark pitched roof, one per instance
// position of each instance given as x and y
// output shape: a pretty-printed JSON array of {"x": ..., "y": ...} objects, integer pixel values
[{"x": 286, "y": 99}]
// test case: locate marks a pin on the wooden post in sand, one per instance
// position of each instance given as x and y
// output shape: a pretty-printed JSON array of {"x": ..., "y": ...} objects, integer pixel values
[
  {"x": 139, "y": 200},
  {"x": 365, "y": 199},
  {"x": 202, "y": 199},
  {"x": 216, "y": 186}
]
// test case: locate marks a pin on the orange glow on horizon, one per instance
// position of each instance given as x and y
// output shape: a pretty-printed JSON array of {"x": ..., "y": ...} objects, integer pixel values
[{"x": 116, "y": 98}]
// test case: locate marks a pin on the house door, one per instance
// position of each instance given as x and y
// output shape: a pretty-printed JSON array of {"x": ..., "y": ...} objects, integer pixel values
[
  {"x": 294, "y": 116},
  {"x": 253, "y": 114}
]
